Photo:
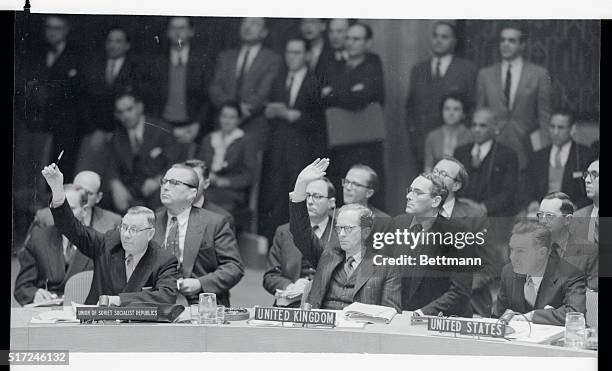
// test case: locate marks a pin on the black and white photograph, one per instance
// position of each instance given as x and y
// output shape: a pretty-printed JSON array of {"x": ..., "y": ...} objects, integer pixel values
[{"x": 196, "y": 184}]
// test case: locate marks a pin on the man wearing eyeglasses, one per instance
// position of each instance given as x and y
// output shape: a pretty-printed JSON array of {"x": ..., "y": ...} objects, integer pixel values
[
  {"x": 287, "y": 270},
  {"x": 536, "y": 282},
  {"x": 558, "y": 167},
  {"x": 430, "y": 290},
  {"x": 202, "y": 241},
  {"x": 347, "y": 273},
  {"x": 586, "y": 223},
  {"x": 555, "y": 212},
  {"x": 128, "y": 266},
  {"x": 455, "y": 177},
  {"x": 359, "y": 185}
]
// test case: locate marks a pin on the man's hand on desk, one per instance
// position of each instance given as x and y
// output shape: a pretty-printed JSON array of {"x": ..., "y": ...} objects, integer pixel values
[
  {"x": 43, "y": 295},
  {"x": 297, "y": 286},
  {"x": 113, "y": 300},
  {"x": 190, "y": 286}
]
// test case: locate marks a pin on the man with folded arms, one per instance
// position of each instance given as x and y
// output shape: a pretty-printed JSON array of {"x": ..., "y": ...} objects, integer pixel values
[
  {"x": 128, "y": 266},
  {"x": 202, "y": 241},
  {"x": 346, "y": 274},
  {"x": 536, "y": 282}
]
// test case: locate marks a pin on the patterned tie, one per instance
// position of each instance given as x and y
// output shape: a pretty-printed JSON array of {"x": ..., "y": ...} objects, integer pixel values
[
  {"x": 476, "y": 160},
  {"x": 530, "y": 291},
  {"x": 129, "y": 266},
  {"x": 172, "y": 241},
  {"x": 348, "y": 266},
  {"x": 508, "y": 84}
]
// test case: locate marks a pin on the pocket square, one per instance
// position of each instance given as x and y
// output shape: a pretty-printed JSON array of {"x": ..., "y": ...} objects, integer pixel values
[
  {"x": 155, "y": 152},
  {"x": 358, "y": 87}
]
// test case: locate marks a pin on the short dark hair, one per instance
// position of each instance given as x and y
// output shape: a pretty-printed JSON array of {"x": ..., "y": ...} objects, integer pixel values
[
  {"x": 189, "y": 21},
  {"x": 230, "y": 104},
  {"x": 567, "y": 206},
  {"x": 541, "y": 233},
  {"x": 125, "y": 33},
  {"x": 299, "y": 39},
  {"x": 564, "y": 112},
  {"x": 463, "y": 176},
  {"x": 368, "y": 30},
  {"x": 128, "y": 93},
  {"x": 373, "y": 181},
  {"x": 438, "y": 188},
  {"x": 450, "y": 24},
  {"x": 457, "y": 97},
  {"x": 515, "y": 25},
  {"x": 195, "y": 181},
  {"x": 197, "y": 163}
]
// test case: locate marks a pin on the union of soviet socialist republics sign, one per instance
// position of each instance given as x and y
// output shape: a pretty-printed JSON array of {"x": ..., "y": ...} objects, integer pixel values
[{"x": 116, "y": 313}]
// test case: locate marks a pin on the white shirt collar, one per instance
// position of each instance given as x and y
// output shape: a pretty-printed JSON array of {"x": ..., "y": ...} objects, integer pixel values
[
  {"x": 564, "y": 151},
  {"x": 445, "y": 61},
  {"x": 595, "y": 212},
  {"x": 484, "y": 148},
  {"x": 517, "y": 64},
  {"x": 447, "y": 208},
  {"x": 321, "y": 226},
  {"x": 298, "y": 78},
  {"x": 182, "y": 218},
  {"x": 182, "y": 53},
  {"x": 357, "y": 258},
  {"x": 137, "y": 257}
]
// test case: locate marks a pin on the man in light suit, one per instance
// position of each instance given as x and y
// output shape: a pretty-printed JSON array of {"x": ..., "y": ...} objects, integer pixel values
[
  {"x": 346, "y": 274},
  {"x": 246, "y": 75},
  {"x": 128, "y": 266},
  {"x": 286, "y": 268},
  {"x": 556, "y": 212},
  {"x": 536, "y": 282},
  {"x": 518, "y": 91},
  {"x": 586, "y": 220},
  {"x": 433, "y": 79},
  {"x": 455, "y": 177},
  {"x": 48, "y": 259},
  {"x": 558, "y": 167},
  {"x": 203, "y": 242}
]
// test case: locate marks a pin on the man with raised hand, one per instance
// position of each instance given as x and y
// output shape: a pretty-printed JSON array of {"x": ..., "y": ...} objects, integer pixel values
[{"x": 128, "y": 266}]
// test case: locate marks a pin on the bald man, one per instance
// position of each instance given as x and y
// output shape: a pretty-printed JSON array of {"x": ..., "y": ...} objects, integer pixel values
[{"x": 94, "y": 216}]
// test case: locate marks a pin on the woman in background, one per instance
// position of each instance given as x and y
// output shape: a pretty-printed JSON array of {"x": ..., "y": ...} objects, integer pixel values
[
  {"x": 452, "y": 134},
  {"x": 231, "y": 155}
]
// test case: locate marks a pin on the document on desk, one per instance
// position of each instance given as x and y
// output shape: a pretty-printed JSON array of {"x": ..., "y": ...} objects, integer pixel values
[
  {"x": 540, "y": 334},
  {"x": 46, "y": 303},
  {"x": 65, "y": 315},
  {"x": 369, "y": 313}
]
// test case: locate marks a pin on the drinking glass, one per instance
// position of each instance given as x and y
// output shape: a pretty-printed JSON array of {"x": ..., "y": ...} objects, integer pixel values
[
  {"x": 208, "y": 308},
  {"x": 195, "y": 314},
  {"x": 574, "y": 330},
  {"x": 220, "y": 314}
]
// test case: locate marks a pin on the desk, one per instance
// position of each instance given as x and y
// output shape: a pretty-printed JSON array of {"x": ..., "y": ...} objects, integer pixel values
[{"x": 399, "y": 337}]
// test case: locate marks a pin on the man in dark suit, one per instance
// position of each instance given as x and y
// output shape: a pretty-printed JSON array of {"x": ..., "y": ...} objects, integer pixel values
[
  {"x": 492, "y": 167},
  {"x": 128, "y": 266},
  {"x": 286, "y": 269},
  {"x": 346, "y": 274},
  {"x": 140, "y": 151},
  {"x": 586, "y": 220},
  {"x": 246, "y": 75},
  {"x": 49, "y": 259},
  {"x": 474, "y": 219},
  {"x": 297, "y": 133},
  {"x": 558, "y": 167},
  {"x": 202, "y": 241},
  {"x": 358, "y": 84},
  {"x": 429, "y": 290},
  {"x": 320, "y": 54},
  {"x": 518, "y": 91},
  {"x": 555, "y": 212},
  {"x": 336, "y": 35},
  {"x": 201, "y": 201},
  {"x": 433, "y": 79},
  {"x": 359, "y": 185},
  {"x": 537, "y": 283}
]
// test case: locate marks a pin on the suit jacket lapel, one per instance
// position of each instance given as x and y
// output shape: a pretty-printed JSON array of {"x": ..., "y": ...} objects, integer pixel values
[
  {"x": 499, "y": 85},
  {"x": 522, "y": 83},
  {"x": 139, "y": 277},
  {"x": 518, "y": 293},
  {"x": 126, "y": 147},
  {"x": 78, "y": 264},
  {"x": 118, "y": 268},
  {"x": 328, "y": 270},
  {"x": 569, "y": 166},
  {"x": 161, "y": 221},
  {"x": 364, "y": 271},
  {"x": 548, "y": 281},
  {"x": 55, "y": 255},
  {"x": 193, "y": 240}
]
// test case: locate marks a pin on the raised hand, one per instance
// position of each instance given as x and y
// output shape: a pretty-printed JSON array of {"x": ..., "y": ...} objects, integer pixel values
[
  {"x": 53, "y": 176},
  {"x": 314, "y": 171}
]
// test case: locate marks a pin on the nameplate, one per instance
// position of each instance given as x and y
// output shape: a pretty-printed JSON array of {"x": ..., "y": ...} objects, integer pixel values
[
  {"x": 311, "y": 317},
  {"x": 116, "y": 313},
  {"x": 466, "y": 327}
]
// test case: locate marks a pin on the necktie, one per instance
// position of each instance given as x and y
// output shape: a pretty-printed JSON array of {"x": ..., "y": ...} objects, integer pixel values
[
  {"x": 288, "y": 87},
  {"x": 348, "y": 266},
  {"x": 476, "y": 160},
  {"x": 438, "y": 71},
  {"x": 110, "y": 72},
  {"x": 508, "y": 84},
  {"x": 530, "y": 291},
  {"x": 172, "y": 241},
  {"x": 557, "y": 160},
  {"x": 129, "y": 266},
  {"x": 593, "y": 232},
  {"x": 315, "y": 230},
  {"x": 51, "y": 57},
  {"x": 241, "y": 73},
  {"x": 136, "y": 142}
]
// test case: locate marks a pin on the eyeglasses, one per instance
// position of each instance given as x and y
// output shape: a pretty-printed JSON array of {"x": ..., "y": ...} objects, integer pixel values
[
  {"x": 315, "y": 197},
  {"x": 348, "y": 183},
  {"x": 417, "y": 192},
  {"x": 442, "y": 173},
  {"x": 547, "y": 216},
  {"x": 132, "y": 230},
  {"x": 594, "y": 175},
  {"x": 346, "y": 228},
  {"x": 175, "y": 182}
]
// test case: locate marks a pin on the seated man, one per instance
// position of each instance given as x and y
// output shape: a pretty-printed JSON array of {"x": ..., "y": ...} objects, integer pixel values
[
  {"x": 537, "y": 282},
  {"x": 202, "y": 241},
  {"x": 49, "y": 259},
  {"x": 586, "y": 220},
  {"x": 286, "y": 268},
  {"x": 556, "y": 211},
  {"x": 94, "y": 216},
  {"x": 128, "y": 266},
  {"x": 346, "y": 274},
  {"x": 359, "y": 185}
]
